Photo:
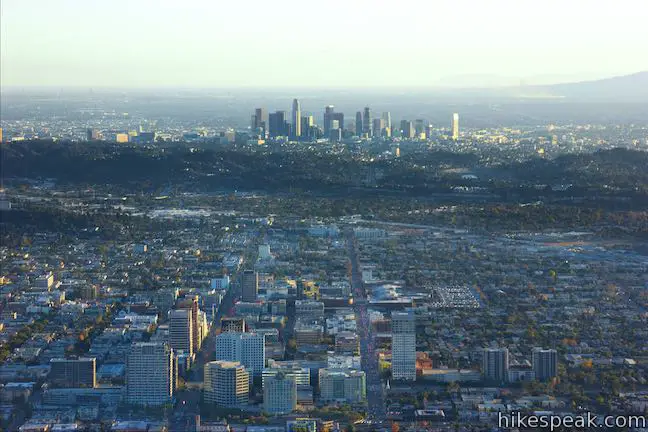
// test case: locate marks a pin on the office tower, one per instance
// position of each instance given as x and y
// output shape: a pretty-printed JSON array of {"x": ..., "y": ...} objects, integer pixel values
[
  {"x": 419, "y": 127},
  {"x": 249, "y": 286},
  {"x": 259, "y": 122},
  {"x": 366, "y": 122},
  {"x": 378, "y": 125},
  {"x": 73, "y": 372},
  {"x": 151, "y": 374},
  {"x": 339, "y": 117},
  {"x": 428, "y": 131},
  {"x": 292, "y": 370},
  {"x": 545, "y": 363},
  {"x": 358, "y": 124},
  {"x": 407, "y": 129},
  {"x": 198, "y": 320},
  {"x": 296, "y": 119},
  {"x": 278, "y": 125},
  {"x": 335, "y": 134},
  {"x": 342, "y": 385},
  {"x": 226, "y": 383},
  {"x": 279, "y": 394},
  {"x": 495, "y": 364},
  {"x": 455, "y": 126},
  {"x": 181, "y": 331},
  {"x": 386, "y": 116},
  {"x": 246, "y": 348},
  {"x": 260, "y": 118},
  {"x": 307, "y": 126},
  {"x": 403, "y": 346},
  {"x": 233, "y": 324},
  {"x": 328, "y": 117}
]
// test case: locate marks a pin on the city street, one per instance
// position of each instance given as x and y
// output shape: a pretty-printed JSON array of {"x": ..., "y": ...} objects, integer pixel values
[{"x": 369, "y": 359}]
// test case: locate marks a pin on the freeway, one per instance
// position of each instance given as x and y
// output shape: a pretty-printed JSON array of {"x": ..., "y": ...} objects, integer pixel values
[{"x": 369, "y": 359}]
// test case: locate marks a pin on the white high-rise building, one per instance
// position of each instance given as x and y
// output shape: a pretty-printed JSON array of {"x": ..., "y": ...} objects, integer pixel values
[
  {"x": 181, "y": 331},
  {"x": 455, "y": 126},
  {"x": 495, "y": 364},
  {"x": 247, "y": 348},
  {"x": 296, "y": 119},
  {"x": 545, "y": 363},
  {"x": 342, "y": 386},
  {"x": 226, "y": 383},
  {"x": 279, "y": 394},
  {"x": 403, "y": 346},
  {"x": 151, "y": 374}
]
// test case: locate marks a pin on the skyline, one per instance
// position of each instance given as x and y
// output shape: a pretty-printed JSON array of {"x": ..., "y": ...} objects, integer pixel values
[{"x": 200, "y": 44}]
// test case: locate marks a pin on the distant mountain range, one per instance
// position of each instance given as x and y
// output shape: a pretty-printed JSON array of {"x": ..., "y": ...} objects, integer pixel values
[{"x": 627, "y": 88}]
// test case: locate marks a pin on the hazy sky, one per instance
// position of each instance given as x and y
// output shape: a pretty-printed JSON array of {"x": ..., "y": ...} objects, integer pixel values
[{"x": 218, "y": 43}]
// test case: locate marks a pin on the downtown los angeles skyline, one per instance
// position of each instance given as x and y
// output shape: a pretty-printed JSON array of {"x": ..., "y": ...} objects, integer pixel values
[{"x": 365, "y": 44}]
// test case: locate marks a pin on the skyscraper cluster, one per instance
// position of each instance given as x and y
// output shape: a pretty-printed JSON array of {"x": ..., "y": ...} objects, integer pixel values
[{"x": 298, "y": 127}]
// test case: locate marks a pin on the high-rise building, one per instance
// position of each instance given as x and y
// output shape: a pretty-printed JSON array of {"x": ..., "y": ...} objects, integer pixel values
[
  {"x": 259, "y": 119},
  {"x": 301, "y": 375},
  {"x": 181, "y": 331},
  {"x": 73, "y": 372},
  {"x": 386, "y": 116},
  {"x": 278, "y": 125},
  {"x": 329, "y": 110},
  {"x": 279, "y": 394},
  {"x": 495, "y": 364},
  {"x": 342, "y": 385},
  {"x": 246, "y": 348},
  {"x": 378, "y": 126},
  {"x": 419, "y": 127},
  {"x": 249, "y": 286},
  {"x": 545, "y": 363},
  {"x": 403, "y": 346},
  {"x": 198, "y": 320},
  {"x": 307, "y": 126},
  {"x": 367, "y": 125},
  {"x": 407, "y": 129},
  {"x": 335, "y": 134},
  {"x": 428, "y": 130},
  {"x": 226, "y": 383},
  {"x": 233, "y": 324},
  {"x": 339, "y": 117},
  {"x": 358, "y": 123},
  {"x": 296, "y": 119},
  {"x": 151, "y": 374},
  {"x": 455, "y": 126}
]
